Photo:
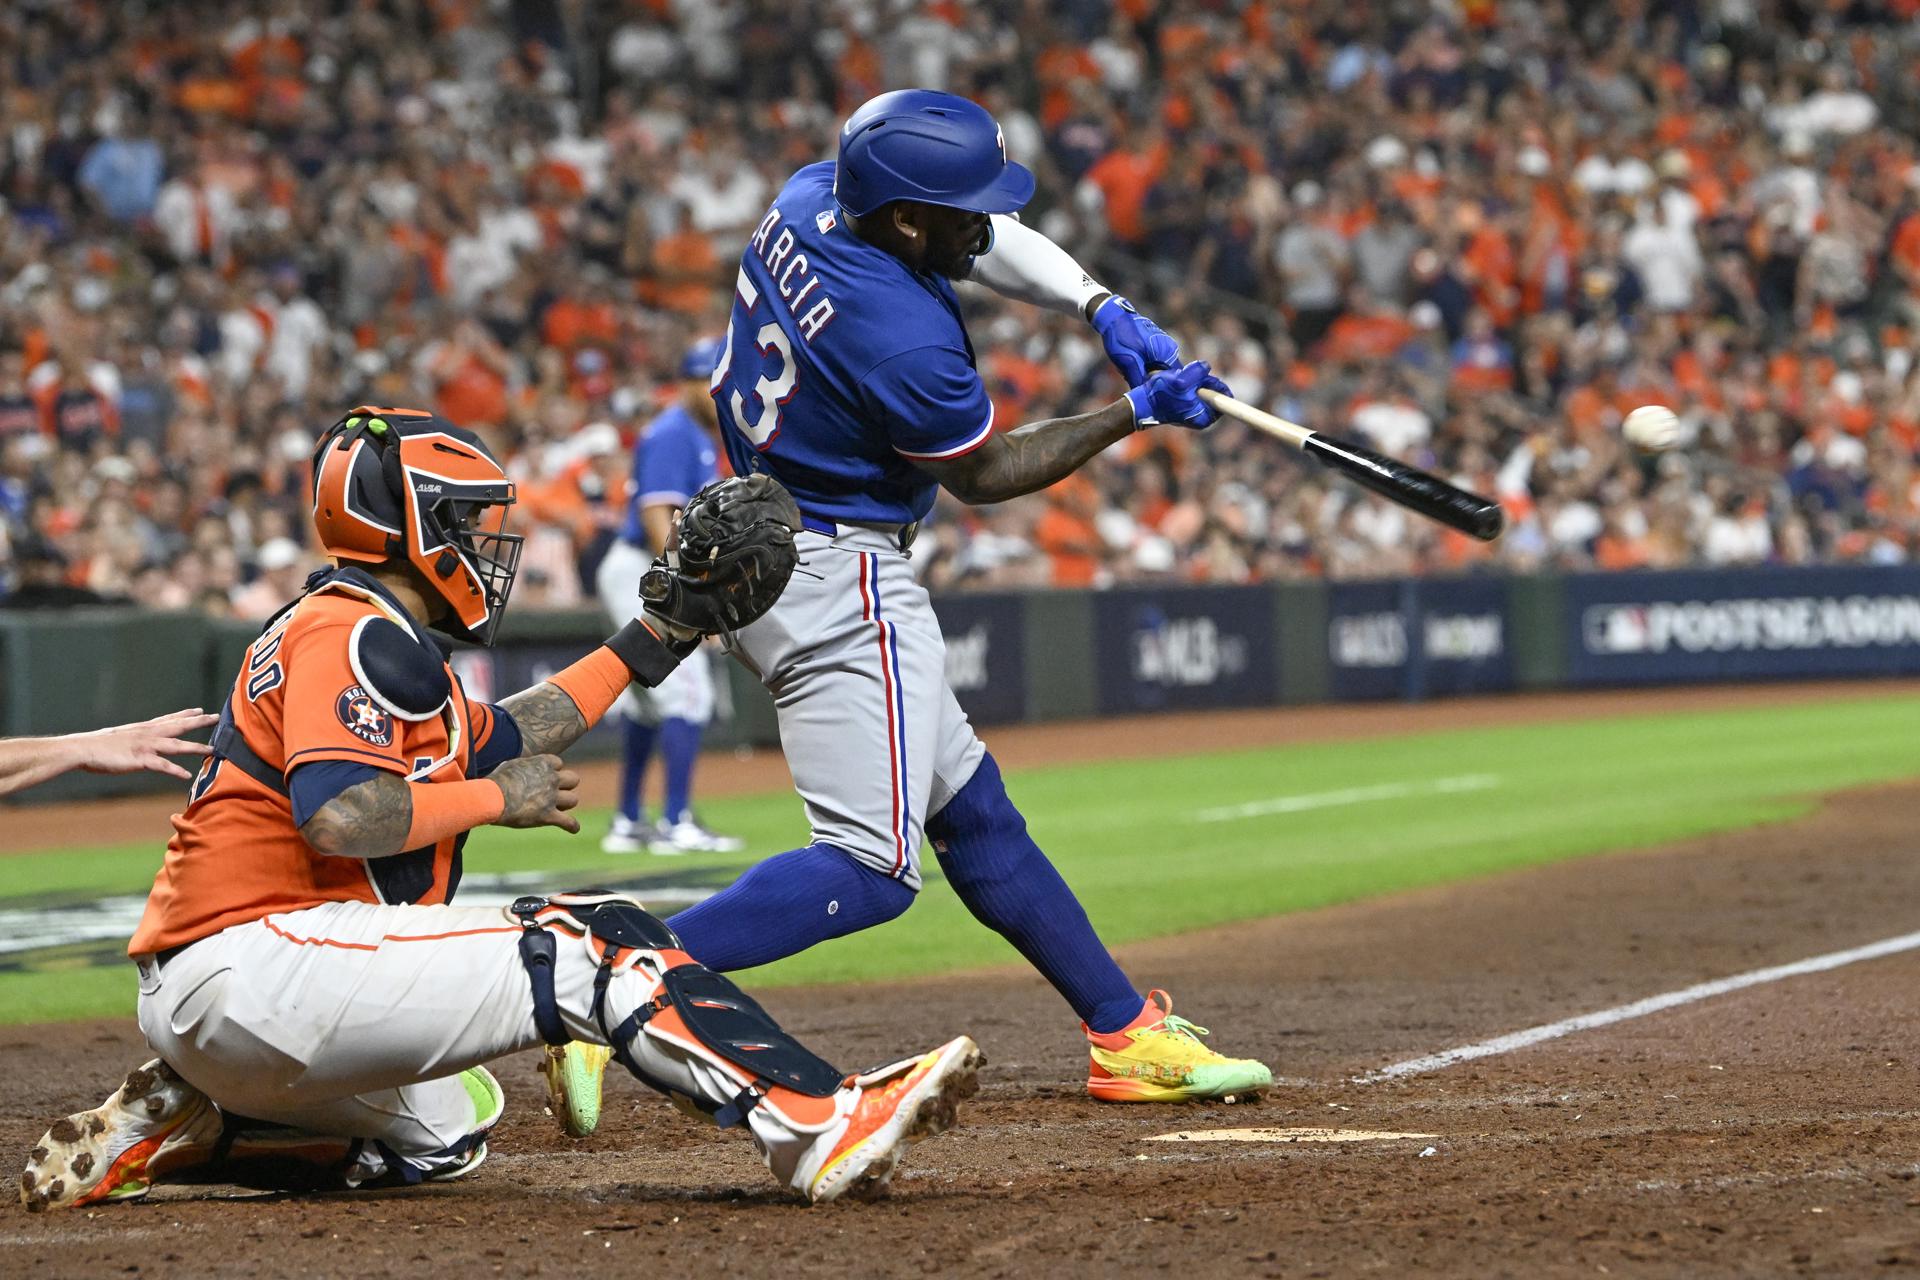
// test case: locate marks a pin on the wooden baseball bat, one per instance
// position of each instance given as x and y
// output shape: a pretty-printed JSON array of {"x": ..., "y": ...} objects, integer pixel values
[{"x": 1396, "y": 481}]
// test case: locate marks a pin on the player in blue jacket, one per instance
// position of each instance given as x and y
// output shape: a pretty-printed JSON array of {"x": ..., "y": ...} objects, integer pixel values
[
  {"x": 848, "y": 375},
  {"x": 675, "y": 457}
]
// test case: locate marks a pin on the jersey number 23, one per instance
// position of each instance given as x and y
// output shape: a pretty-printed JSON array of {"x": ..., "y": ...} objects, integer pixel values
[{"x": 760, "y": 421}]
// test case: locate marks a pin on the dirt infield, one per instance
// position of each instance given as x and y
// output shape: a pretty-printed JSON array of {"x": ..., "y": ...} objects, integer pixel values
[
  {"x": 28, "y": 827},
  {"x": 1772, "y": 1131}
]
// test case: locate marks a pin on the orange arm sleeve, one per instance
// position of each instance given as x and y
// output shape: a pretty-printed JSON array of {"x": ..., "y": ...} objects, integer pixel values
[
  {"x": 594, "y": 682},
  {"x": 442, "y": 809}
]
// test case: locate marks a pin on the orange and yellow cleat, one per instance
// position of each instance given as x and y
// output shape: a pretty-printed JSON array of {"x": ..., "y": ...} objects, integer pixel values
[{"x": 1161, "y": 1058}]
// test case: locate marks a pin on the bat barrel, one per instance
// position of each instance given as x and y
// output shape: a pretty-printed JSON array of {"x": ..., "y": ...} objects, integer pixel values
[
  {"x": 1395, "y": 481},
  {"x": 1410, "y": 487}
]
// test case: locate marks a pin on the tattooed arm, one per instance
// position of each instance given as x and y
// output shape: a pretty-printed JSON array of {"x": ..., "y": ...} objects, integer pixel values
[
  {"x": 368, "y": 820},
  {"x": 549, "y": 720},
  {"x": 1030, "y": 457},
  {"x": 373, "y": 819}
]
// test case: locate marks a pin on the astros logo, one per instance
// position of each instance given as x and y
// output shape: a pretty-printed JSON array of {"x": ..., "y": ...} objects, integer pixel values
[{"x": 364, "y": 718}]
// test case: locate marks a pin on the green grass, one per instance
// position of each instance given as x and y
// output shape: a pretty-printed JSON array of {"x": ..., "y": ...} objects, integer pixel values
[{"x": 1125, "y": 836}]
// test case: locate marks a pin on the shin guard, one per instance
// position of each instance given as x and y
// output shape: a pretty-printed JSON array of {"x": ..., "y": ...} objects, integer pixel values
[{"x": 691, "y": 1008}]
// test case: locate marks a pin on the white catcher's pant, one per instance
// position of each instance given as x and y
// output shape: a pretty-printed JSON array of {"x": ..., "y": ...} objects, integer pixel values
[
  {"x": 856, "y": 663},
  {"x": 353, "y": 1020},
  {"x": 687, "y": 693}
]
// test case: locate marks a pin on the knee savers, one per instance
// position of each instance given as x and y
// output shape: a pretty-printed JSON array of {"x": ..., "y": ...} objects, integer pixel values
[{"x": 721, "y": 1022}]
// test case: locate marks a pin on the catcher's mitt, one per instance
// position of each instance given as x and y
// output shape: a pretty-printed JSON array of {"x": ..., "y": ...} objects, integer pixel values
[{"x": 735, "y": 553}]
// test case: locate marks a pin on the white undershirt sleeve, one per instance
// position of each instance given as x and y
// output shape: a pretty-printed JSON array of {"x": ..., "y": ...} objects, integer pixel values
[{"x": 1024, "y": 265}]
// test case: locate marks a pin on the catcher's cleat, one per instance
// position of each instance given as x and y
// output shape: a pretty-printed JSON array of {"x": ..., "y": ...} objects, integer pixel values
[
  {"x": 153, "y": 1123},
  {"x": 1160, "y": 1058},
  {"x": 899, "y": 1105},
  {"x": 575, "y": 1074}
]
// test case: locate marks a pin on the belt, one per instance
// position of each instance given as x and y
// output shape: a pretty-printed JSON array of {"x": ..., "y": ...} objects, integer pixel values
[
  {"x": 160, "y": 958},
  {"x": 904, "y": 534}
]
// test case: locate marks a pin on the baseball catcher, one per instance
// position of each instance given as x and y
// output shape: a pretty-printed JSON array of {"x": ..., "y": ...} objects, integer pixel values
[{"x": 306, "y": 981}]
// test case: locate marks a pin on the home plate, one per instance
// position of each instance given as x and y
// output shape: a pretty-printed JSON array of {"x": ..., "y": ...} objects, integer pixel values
[{"x": 1283, "y": 1135}]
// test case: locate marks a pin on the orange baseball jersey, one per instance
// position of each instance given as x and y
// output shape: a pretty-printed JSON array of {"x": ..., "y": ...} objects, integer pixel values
[{"x": 236, "y": 854}]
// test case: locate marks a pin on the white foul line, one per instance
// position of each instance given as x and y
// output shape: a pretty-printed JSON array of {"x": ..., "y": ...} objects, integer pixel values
[
  {"x": 1639, "y": 1008},
  {"x": 1349, "y": 795}
]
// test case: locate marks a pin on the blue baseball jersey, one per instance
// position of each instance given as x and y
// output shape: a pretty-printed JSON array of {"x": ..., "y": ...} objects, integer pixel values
[
  {"x": 843, "y": 367},
  {"x": 673, "y": 459}
]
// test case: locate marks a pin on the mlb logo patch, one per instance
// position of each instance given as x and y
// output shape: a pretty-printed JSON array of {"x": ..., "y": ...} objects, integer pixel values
[
  {"x": 824, "y": 220},
  {"x": 364, "y": 718}
]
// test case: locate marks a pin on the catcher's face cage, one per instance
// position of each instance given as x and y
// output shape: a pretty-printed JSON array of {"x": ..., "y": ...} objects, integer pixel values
[{"x": 476, "y": 549}]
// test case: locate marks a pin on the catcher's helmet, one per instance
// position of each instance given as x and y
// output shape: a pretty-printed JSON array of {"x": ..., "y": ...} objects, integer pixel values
[
  {"x": 401, "y": 484},
  {"x": 937, "y": 148}
]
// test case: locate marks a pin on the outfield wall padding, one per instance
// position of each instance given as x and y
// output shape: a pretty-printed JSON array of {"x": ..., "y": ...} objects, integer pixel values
[{"x": 1064, "y": 655}]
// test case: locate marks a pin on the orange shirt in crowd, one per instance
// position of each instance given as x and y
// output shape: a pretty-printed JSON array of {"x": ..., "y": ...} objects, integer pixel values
[
  {"x": 1124, "y": 178},
  {"x": 1057, "y": 67},
  {"x": 1067, "y": 534},
  {"x": 685, "y": 265},
  {"x": 1613, "y": 552},
  {"x": 570, "y": 322},
  {"x": 1587, "y": 408},
  {"x": 214, "y": 95},
  {"x": 562, "y": 500},
  {"x": 1495, "y": 273},
  {"x": 1906, "y": 248},
  {"x": 471, "y": 393},
  {"x": 1365, "y": 337}
]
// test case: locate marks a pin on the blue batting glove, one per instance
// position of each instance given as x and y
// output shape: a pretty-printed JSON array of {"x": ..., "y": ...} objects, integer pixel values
[
  {"x": 1136, "y": 345},
  {"x": 1173, "y": 396}
]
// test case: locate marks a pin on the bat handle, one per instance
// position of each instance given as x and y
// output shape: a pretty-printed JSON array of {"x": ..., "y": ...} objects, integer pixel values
[{"x": 1290, "y": 432}]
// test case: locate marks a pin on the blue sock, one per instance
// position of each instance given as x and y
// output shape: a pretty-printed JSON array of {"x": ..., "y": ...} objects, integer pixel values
[
  {"x": 636, "y": 745},
  {"x": 1008, "y": 884},
  {"x": 787, "y": 904},
  {"x": 679, "y": 748}
]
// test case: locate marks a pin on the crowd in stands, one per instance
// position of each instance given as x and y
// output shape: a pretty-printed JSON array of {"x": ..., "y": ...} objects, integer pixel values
[{"x": 1470, "y": 233}]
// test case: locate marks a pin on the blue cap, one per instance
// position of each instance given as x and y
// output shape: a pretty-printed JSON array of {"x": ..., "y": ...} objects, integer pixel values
[
  {"x": 702, "y": 358},
  {"x": 938, "y": 148}
]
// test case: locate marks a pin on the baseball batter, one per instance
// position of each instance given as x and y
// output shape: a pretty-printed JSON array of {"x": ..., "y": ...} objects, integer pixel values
[
  {"x": 301, "y": 962},
  {"x": 848, "y": 375},
  {"x": 675, "y": 457}
]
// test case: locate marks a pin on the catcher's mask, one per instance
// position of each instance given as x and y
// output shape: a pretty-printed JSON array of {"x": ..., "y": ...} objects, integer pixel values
[{"x": 401, "y": 484}]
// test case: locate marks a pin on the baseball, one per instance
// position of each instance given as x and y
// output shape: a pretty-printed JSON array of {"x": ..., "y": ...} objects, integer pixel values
[{"x": 1652, "y": 427}]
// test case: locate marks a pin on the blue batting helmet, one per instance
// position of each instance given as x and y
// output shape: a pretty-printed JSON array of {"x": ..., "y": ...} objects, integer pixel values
[
  {"x": 938, "y": 148},
  {"x": 701, "y": 358}
]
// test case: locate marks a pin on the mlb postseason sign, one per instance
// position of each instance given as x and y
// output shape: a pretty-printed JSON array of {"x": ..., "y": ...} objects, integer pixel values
[
  {"x": 986, "y": 654},
  {"x": 1175, "y": 648},
  {"x": 1742, "y": 624},
  {"x": 1417, "y": 639}
]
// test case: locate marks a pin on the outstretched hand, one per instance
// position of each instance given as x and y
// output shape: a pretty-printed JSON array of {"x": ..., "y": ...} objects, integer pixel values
[{"x": 129, "y": 748}]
